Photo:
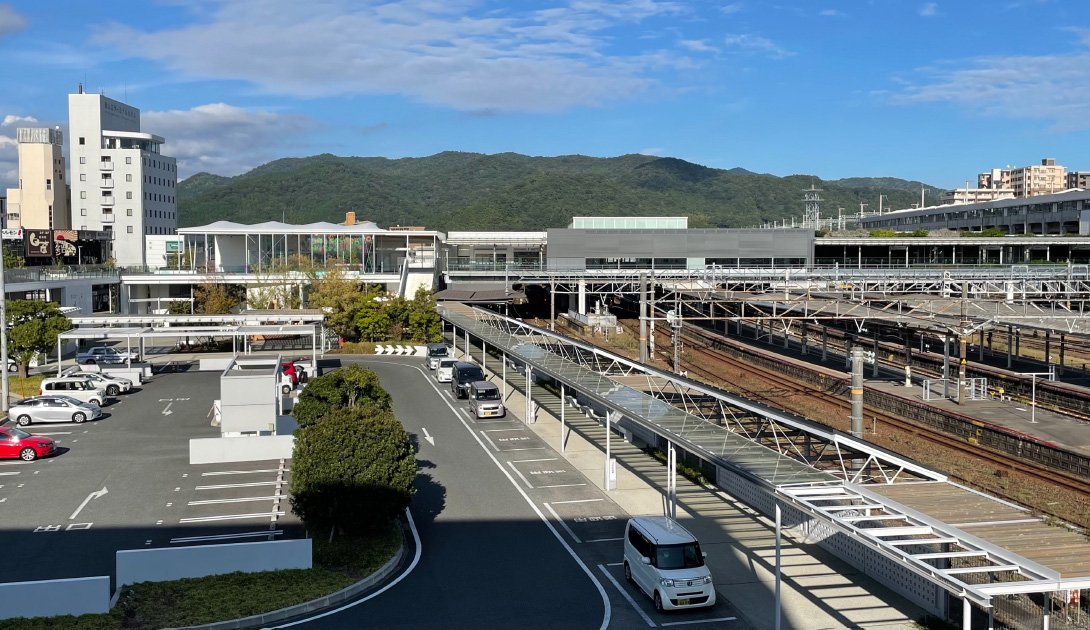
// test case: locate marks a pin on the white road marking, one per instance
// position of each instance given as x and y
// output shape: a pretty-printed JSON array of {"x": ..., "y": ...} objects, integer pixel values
[
  {"x": 94, "y": 495},
  {"x": 614, "y": 564},
  {"x": 497, "y": 430},
  {"x": 239, "y": 500},
  {"x": 625, "y": 594},
  {"x": 186, "y": 539},
  {"x": 56, "y": 433},
  {"x": 167, "y": 411},
  {"x": 536, "y": 448},
  {"x": 562, "y": 523},
  {"x": 578, "y": 501},
  {"x": 564, "y": 485},
  {"x": 604, "y": 539},
  {"x": 238, "y": 472},
  {"x": 490, "y": 441},
  {"x": 681, "y": 623},
  {"x": 523, "y": 478},
  {"x": 6, "y": 474},
  {"x": 526, "y": 461},
  {"x": 238, "y": 485},
  {"x": 427, "y": 437},
  {"x": 229, "y": 517}
]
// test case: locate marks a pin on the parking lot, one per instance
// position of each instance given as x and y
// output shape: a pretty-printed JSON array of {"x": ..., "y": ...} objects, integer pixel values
[
  {"x": 125, "y": 482},
  {"x": 591, "y": 522}
]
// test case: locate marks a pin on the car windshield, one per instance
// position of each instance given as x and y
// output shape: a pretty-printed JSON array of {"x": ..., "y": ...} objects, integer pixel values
[
  {"x": 437, "y": 352},
  {"x": 685, "y": 556},
  {"x": 471, "y": 374},
  {"x": 489, "y": 394},
  {"x": 82, "y": 385},
  {"x": 18, "y": 434},
  {"x": 446, "y": 364}
]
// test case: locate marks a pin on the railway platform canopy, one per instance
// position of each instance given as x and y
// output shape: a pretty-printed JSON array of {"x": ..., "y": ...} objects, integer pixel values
[{"x": 973, "y": 546}]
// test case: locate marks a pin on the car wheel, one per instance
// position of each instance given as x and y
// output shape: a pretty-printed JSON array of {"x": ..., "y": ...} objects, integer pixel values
[
  {"x": 658, "y": 602},
  {"x": 627, "y": 572},
  {"x": 113, "y": 390},
  {"x": 28, "y": 455},
  {"x": 24, "y": 420},
  {"x": 13, "y": 368},
  {"x": 89, "y": 362},
  {"x": 96, "y": 402},
  {"x": 79, "y": 417}
]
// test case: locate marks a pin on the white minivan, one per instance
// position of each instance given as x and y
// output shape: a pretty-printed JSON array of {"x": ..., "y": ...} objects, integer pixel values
[
  {"x": 665, "y": 561},
  {"x": 80, "y": 388}
]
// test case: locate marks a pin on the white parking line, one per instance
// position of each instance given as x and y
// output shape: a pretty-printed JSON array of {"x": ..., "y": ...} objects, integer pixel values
[
  {"x": 523, "y": 478},
  {"x": 229, "y": 517},
  {"x": 562, "y": 523},
  {"x": 54, "y": 433},
  {"x": 536, "y": 448},
  {"x": 564, "y": 485},
  {"x": 239, "y": 500},
  {"x": 485, "y": 436},
  {"x": 240, "y": 472},
  {"x": 681, "y": 623},
  {"x": 526, "y": 461},
  {"x": 496, "y": 430},
  {"x": 274, "y": 532},
  {"x": 578, "y": 501},
  {"x": 238, "y": 485},
  {"x": 614, "y": 564},
  {"x": 9, "y": 473},
  {"x": 604, "y": 539},
  {"x": 625, "y": 594}
]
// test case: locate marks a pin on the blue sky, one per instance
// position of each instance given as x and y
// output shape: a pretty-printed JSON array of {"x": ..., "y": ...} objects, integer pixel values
[{"x": 935, "y": 91}]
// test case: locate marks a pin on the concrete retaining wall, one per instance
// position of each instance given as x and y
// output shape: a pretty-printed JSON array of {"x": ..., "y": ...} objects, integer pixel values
[
  {"x": 214, "y": 365},
  {"x": 240, "y": 449},
  {"x": 76, "y": 596},
  {"x": 161, "y": 565}
]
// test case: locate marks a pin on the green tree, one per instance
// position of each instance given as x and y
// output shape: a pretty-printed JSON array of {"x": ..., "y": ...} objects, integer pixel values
[
  {"x": 13, "y": 260},
  {"x": 423, "y": 320},
  {"x": 214, "y": 298},
  {"x": 33, "y": 327},
  {"x": 372, "y": 318},
  {"x": 349, "y": 387},
  {"x": 332, "y": 291},
  {"x": 352, "y": 471},
  {"x": 177, "y": 307}
]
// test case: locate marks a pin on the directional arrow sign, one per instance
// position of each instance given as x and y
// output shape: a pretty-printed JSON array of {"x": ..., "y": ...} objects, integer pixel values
[
  {"x": 378, "y": 348},
  {"x": 429, "y": 438},
  {"x": 167, "y": 411},
  {"x": 94, "y": 495}
]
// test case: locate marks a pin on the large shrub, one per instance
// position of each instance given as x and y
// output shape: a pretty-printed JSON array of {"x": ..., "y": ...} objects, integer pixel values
[
  {"x": 349, "y": 387},
  {"x": 352, "y": 471}
]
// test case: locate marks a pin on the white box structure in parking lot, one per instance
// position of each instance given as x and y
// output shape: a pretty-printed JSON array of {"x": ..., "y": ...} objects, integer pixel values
[{"x": 250, "y": 396}]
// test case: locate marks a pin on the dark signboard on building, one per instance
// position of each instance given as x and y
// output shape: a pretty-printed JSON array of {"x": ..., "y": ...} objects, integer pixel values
[{"x": 39, "y": 243}]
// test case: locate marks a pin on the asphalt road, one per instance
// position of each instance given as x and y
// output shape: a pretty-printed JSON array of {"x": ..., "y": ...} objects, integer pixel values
[{"x": 487, "y": 559}]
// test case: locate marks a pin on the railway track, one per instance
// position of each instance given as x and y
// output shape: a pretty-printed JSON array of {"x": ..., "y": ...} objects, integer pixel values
[{"x": 787, "y": 384}]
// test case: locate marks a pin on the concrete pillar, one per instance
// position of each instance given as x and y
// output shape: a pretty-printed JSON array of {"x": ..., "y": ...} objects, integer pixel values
[
  {"x": 1010, "y": 344},
  {"x": 1060, "y": 369},
  {"x": 824, "y": 343},
  {"x": 582, "y": 296},
  {"x": 643, "y": 318},
  {"x": 857, "y": 392},
  {"x": 967, "y": 615},
  {"x": 529, "y": 391},
  {"x": 1048, "y": 349},
  {"x": 874, "y": 369}
]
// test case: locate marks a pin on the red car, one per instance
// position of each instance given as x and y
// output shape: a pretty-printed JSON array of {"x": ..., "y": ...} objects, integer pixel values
[
  {"x": 18, "y": 443},
  {"x": 287, "y": 367}
]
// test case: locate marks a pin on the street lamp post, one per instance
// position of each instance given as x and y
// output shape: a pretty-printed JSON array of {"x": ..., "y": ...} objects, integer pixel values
[{"x": 1033, "y": 392}]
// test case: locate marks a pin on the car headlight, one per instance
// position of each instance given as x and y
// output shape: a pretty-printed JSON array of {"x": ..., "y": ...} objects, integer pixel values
[
  {"x": 707, "y": 579},
  {"x": 667, "y": 582},
  {"x": 43, "y": 445}
]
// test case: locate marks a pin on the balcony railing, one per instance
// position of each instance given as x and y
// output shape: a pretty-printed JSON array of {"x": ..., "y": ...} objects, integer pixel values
[
  {"x": 107, "y": 183},
  {"x": 107, "y": 200},
  {"x": 47, "y": 274},
  {"x": 106, "y": 165}
]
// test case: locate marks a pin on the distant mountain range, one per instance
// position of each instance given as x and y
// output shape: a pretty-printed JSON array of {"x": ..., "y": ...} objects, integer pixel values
[{"x": 509, "y": 191}]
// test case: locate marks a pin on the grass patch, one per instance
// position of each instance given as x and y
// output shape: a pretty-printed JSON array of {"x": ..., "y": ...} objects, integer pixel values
[
  {"x": 26, "y": 387},
  {"x": 693, "y": 474},
  {"x": 337, "y": 565},
  {"x": 355, "y": 347}
]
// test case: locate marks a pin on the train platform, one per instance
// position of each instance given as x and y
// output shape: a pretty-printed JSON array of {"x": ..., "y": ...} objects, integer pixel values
[{"x": 1054, "y": 428}]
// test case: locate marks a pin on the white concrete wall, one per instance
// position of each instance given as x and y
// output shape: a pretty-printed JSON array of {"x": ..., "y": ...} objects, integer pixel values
[
  {"x": 230, "y": 252},
  {"x": 240, "y": 449},
  {"x": 175, "y": 563},
  {"x": 76, "y": 596}
]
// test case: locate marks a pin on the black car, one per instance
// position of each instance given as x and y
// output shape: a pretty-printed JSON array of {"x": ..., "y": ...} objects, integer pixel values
[{"x": 463, "y": 375}]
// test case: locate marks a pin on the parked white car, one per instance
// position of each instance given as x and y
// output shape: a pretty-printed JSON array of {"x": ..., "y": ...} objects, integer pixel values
[
  {"x": 106, "y": 354},
  {"x": 113, "y": 385},
  {"x": 445, "y": 372},
  {"x": 78, "y": 387},
  {"x": 665, "y": 561}
]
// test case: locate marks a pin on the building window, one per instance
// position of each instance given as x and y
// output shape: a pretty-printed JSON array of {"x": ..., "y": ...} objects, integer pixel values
[
  {"x": 128, "y": 194},
  {"x": 83, "y": 177},
  {"x": 128, "y": 160},
  {"x": 128, "y": 177},
  {"x": 81, "y": 140},
  {"x": 83, "y": 227},
  {"x": 106, "y": 159},
  {"x": 83, "y": 160},
  {"x": 83, "y": 194},
  {"x": 128, "y": 212},
  {"x": 83, "y": 212},
  {"x": 49, "y": 184},
  {"x": 129, "y": 229}
]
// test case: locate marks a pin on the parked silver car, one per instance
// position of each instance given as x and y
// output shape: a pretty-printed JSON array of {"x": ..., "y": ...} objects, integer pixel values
[{"x": 53, "y": 409}]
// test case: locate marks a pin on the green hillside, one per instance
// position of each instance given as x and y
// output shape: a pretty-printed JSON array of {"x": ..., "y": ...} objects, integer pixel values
[{"x": 509, "y": 191}]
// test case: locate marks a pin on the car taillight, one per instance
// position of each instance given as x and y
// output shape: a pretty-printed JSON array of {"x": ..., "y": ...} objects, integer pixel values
[{"x": 40, "y": 392}]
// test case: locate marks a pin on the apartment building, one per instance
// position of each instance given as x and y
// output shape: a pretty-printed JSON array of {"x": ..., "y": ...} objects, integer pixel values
[
  {"x": 1078, "y": 179},
  {"x": 40, "y": 200},
  {"x": 1045, "y": 178},
  {"x": 121, "y": 181},
  {"x": 974, "y": 195}
]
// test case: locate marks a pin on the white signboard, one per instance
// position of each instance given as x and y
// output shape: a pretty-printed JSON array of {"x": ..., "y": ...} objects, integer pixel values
[{"x": 13, "y": 235}]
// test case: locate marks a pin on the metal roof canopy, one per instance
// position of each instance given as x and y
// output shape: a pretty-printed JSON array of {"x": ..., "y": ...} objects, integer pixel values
[
  {"x": 283, "y": 317},
  {"x": 853, "y": 508},
  {"x": 104, "y": 333}
]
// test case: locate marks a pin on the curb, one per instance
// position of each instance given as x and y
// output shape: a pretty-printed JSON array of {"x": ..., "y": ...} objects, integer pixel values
[{"x": 315, "y": 605}]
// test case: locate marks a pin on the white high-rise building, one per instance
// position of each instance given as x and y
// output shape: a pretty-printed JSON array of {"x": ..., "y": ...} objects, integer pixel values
[{"x": 120, "y": 181}]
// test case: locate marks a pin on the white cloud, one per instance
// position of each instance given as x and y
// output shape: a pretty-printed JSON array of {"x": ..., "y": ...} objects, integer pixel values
[
  {"x": 698, "y": 45},
  {"x": 929, "y": 9},
  {"x": 754, "y": 43},
  {"x": 831, "y": 13},
  {"x": 222, "y": 138},
  {"x": 452, "y": 54},
  {"x": 734, "y": 7},
  {"x": 1055, "y": 87},
  {"x": 656, "y": 151},
  {"x": 10, "y": 20},
  {"x": 11, "y": 119}
]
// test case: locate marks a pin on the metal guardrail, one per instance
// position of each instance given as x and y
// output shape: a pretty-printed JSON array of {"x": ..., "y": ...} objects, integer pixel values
[{"x": 51, "y": 274}]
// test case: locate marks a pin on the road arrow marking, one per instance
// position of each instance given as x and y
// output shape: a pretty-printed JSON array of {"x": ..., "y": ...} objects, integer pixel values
[
  {"x": 429, "y": 438},
  {"x": 94, "y": 495},
  {"x": 167, "y": 411}
]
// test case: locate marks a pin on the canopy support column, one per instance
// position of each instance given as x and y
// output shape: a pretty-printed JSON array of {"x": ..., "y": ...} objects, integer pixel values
[{"x": 563, "y": 407}]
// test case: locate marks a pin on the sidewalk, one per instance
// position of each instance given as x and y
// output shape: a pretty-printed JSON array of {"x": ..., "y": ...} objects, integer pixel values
[{"x": 818, "y": 590}]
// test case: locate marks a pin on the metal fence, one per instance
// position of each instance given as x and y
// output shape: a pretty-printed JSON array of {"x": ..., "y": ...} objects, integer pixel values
[{"x": 947, "y": 388}]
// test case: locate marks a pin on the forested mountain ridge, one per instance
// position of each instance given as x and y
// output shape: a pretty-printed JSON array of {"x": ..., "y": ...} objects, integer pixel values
[{"x": 510, "y": 191}]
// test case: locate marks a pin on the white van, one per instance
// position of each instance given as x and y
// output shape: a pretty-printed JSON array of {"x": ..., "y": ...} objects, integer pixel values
[
  {"x": 445, "y": 370},
  {"x": 78, "y": 387},
  {"x": 665, "y": 561},
  {"x": 484, "y": 400}
]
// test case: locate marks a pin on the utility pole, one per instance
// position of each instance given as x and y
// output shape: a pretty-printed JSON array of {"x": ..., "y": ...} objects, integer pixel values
[
  {"x": 4, "y": 334},
  {"x": 858, "y": 356},
  {"x": 643, "y": 318},
  {"x": 962, "y": 343}
]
